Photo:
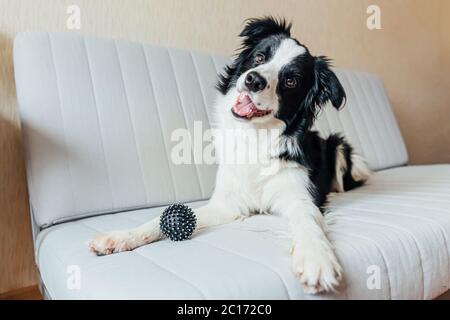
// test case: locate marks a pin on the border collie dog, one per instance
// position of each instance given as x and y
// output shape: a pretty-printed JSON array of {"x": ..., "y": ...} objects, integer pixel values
[{"x": 275, "y": 83}]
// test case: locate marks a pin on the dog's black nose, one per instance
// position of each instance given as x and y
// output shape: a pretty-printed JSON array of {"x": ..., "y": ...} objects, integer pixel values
[{"x": 255, "y": 82}]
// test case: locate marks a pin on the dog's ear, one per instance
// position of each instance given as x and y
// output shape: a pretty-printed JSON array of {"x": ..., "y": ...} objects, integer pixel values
[
  {"x": 326, "y": 86},
  {"x": 259, "y": 28}
]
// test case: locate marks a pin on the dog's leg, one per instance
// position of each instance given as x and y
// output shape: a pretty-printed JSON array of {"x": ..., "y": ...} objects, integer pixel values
[
  {"x": 126, "y": 240},
  {"x": 213, "y": 215},
  {"x": 313, "y": 258}
]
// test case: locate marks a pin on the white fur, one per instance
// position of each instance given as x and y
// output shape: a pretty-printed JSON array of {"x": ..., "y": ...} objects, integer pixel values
[
  {"x": 360, "y": 169},
  {"x": 289, "y": 145},
  {"x": 242, "y": 189},
  {"x": 341, "y": 166}
]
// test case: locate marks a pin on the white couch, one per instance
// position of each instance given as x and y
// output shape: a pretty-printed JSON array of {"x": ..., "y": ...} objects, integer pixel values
[{"x": 97, "y": 117}]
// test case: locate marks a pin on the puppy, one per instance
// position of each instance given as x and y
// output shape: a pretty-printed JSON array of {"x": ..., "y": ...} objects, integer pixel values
[{"x": 274, "y": 84}]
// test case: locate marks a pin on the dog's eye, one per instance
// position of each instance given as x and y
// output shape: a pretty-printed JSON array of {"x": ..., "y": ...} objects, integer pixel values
[
  {"x": 260, "y": 58},
  {"x": 290, "y": 82}
]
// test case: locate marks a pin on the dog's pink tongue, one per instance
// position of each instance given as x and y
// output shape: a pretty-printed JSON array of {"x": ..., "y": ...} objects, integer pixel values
[{"x": 244, "y": 106}]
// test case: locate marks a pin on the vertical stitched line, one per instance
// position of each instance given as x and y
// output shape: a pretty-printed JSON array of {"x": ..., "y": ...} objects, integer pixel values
[
  {"x": 367, "y": 121},
  {"x": 144, "y": 181},
  {"x": 185, "y": 118},
  {"x": 387, "y": 111},
  {"x": 218, "y": 72},
  {"x": 205, "y": 103},
  {"x": 99, "y": 123},
  {"x": 394, "y": 227},
  {"x": 392, "y": 116},
  {"x": 363, "y": 118},
  {"x": 380, "y": 110},
  {"x": 395, "y": 213},
  {"x": 378, "y": 138},
  {"x": 341, "y": 123},
  {"x": 215, "y": 65},
  {"x": 160, "y": 120},
  {"x": 382, "y": 255},
  {"x": 205, "y": 106},
  {"x": 352, "y": 120},
  {"x": 69, "y": 169}
]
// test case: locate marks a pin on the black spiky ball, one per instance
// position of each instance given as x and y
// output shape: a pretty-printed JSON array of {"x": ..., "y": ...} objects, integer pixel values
[{"x": 178, "y": 222}]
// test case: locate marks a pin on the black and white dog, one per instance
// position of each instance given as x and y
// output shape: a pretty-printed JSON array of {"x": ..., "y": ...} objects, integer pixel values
[{"x": 275, "y": 83}]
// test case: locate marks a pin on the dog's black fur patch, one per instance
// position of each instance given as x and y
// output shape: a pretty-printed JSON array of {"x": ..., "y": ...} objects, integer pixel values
[
  {"x": 298, "y": 106},
  {"x": 257, "y": 34}
]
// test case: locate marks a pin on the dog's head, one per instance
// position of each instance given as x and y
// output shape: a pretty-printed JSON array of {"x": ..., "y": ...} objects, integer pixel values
[{"x": 276, "y": 76}]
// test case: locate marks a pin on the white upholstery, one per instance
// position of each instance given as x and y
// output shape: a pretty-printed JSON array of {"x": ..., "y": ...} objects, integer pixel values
[
  {"x": 98, "y": 114},
  {"x": 399, "y": 222},
  {"x": 97, "y": 117},
  {"x": 366, "y": 121}
]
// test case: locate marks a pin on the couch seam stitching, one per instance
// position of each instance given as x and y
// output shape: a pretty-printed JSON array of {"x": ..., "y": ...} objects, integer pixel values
[
  {"x": 133, "y": 127},
  {"x": 100, "y": 130},
  {"x": 160, "y": 120},
  {"x": 202, "y": 193}
]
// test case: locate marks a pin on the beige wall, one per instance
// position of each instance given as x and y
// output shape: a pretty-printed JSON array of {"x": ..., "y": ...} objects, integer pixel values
[
  {"x": 445, "y": 60},
  {"x": 411, "y": 53}
]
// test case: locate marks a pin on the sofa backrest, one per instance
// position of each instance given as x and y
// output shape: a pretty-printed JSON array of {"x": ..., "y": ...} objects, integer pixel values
[
  {"x": 367, "y": 121},
  {"x": 98, "y": 114}
]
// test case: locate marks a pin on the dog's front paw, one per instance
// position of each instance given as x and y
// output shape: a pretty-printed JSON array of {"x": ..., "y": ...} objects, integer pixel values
[
  {"x": 112, "y": 242},
  {"x": 317, "y": 268}
]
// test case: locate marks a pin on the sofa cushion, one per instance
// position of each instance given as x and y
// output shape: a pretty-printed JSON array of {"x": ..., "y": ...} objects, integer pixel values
[
  {"x": 392, "y": 234},
  {"x": 367, "y": 121},
  {"x": 98, "y": 117}
]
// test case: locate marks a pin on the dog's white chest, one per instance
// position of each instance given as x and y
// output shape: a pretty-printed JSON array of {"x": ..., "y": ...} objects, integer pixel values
[
  {"x": 248, "y": 158},
  {"x": 247, "y": 165}
]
